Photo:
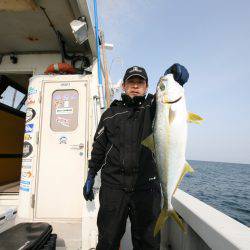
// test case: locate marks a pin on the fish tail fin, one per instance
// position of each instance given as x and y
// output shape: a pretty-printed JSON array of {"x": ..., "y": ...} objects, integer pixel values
[
  {"x": 164, "y": 216},
  {"x": 178, "y": 220},
  {"x": 161, "y": 220}
]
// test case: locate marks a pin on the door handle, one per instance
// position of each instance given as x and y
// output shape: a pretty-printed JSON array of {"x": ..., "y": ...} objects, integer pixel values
[{"x": 77, "y": 146}]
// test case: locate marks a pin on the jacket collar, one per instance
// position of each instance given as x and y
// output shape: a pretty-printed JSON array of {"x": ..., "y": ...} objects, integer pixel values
[
  {"x": 137, "y": 101},
  {"x": 133, "y": 102}
]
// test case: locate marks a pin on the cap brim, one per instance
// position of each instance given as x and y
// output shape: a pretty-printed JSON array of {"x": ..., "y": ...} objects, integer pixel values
[{"x": 143, "y": 77}]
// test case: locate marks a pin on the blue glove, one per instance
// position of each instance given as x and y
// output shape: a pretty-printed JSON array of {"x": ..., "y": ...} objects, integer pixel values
[
  {"x": 88, "y": 187},
  {"x": 179, "y": 72}
]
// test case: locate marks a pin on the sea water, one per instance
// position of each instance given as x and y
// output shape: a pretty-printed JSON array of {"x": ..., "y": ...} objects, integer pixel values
[{"x": 224, "y": 186}]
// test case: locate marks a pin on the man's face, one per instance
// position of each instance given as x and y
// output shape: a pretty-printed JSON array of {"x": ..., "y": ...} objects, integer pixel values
[{"x": 135, "y": 86}]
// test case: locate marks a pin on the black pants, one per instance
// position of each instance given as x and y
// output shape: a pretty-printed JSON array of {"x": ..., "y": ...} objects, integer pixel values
[{"x": 142, "y": 207}]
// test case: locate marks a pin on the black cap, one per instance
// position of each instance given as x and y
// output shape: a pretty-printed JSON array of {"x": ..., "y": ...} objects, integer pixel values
[{"x": 135, "y": 71}]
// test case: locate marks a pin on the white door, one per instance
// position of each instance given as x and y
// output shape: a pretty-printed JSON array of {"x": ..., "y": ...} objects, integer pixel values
[{"x": 62, "y": 150}]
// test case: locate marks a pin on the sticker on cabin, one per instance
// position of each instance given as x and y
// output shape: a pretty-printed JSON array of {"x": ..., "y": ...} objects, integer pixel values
[
  {"x": 30, "y": 101},
  {"x": 24, "y": 189},
  {"x": 25, "y": 182},
  {"x": 27, "y": 160},
  {"x": 58, "y": 103},
  {"x": 63, "y": 140},
  {"x": 27, "y": 137},
  {"x": 26, "y": 167},
  {"x": 64, "y": 111},
  {"x": 24, "y": 186},
  {"x": 63, "y": 121},
  {"x": 30, "y": 114},
  {"x": 25, "y": 175},
  {"x": 61, "y": 104},
  {"x": 27, "y": 149},
  {"x": 66, "y": 104},
  {"x": 29, "y": 128},
  {"x": 65, "y": 98},
  {"x": 32, "y": 91},
  {"x": 56, "y": 97}
]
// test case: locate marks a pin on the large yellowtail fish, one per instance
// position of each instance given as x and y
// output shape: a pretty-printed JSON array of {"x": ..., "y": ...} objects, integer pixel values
[{"x": 168, "y": 142}]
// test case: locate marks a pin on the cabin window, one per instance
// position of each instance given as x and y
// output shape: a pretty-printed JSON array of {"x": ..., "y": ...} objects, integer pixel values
[
  {"x": 64, "y": 110},
  {"x": 13, "y": 90},
  {"x": 13, "y": 93},
  {"x": 13, "y": 98}
]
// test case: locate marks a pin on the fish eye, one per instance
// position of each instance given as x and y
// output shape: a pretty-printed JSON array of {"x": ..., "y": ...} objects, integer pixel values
[{"x": 162, "y": 87}]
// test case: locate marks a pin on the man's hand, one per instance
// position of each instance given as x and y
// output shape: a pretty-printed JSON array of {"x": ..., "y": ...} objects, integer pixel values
[
  {"x": 88, "y": 187},
  {"x": 179, "y": 72}
]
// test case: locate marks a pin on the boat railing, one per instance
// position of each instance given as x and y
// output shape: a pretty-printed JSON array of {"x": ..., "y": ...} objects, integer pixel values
[{"x": 207, "y": 228}]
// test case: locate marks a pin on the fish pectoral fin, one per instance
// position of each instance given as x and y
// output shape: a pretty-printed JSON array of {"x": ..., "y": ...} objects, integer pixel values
[
  {"x": 194, "y": 118},
  {"x": 171, "y": 115},
  {"x": 178, "y": 220},
  {"x": 149, "y": 143},
  {"x": 187, "y": 168},
  {"x": 161, "y": 220}
]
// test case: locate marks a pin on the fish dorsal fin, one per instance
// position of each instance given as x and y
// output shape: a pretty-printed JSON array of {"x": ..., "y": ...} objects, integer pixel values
[
  {"x": 149, "y": 143},
  {"x": 194, "y": 118}
]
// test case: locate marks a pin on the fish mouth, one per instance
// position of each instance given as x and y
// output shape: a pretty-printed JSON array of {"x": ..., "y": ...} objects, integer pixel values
[{"x": 165, "y": 100}]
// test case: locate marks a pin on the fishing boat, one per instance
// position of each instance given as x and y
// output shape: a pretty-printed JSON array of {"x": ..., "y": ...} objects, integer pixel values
[{"x": 51, "y": 75}]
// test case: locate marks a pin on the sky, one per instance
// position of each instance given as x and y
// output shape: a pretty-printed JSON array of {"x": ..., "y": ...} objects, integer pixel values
[{"x": 212, "y": 40}]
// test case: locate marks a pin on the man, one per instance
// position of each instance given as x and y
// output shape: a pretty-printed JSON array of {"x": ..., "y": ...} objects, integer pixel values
[{"x": 129, "y": 181}]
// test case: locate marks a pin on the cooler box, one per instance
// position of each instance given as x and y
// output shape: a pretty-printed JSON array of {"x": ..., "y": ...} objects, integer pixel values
[{"x": 28, "y": 236}]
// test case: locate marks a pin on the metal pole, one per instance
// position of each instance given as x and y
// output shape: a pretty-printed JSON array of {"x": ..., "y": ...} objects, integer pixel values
[
  {"x": 107, "y": 90},
  {"x": 98, "y": 56}
]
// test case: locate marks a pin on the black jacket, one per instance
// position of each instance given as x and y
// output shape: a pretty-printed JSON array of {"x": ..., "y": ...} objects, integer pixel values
[{"x": 117, "y": 149}]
